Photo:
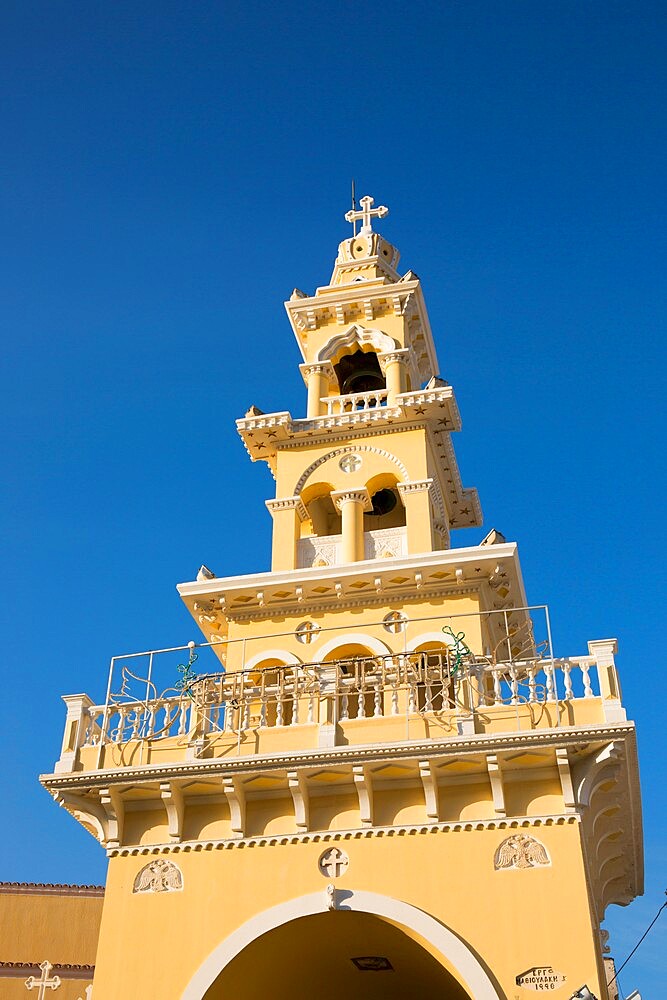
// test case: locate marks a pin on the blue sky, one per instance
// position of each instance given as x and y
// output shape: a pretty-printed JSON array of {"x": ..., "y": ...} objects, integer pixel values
[{"x": 171, "y": 171}]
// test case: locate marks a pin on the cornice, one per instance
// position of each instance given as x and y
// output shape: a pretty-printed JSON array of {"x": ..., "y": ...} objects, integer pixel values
[
  {"x": 444, "y": 558},
  {"x": 20, "y": 970},
  {"x": 331, "y": 756},
  {"x": 342, "y": 600},
  {"x": 357, "y": 833},
  {"x": 49, "y": 889}
]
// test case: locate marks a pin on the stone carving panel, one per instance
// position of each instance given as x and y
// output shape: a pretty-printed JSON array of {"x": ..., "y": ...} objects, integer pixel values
[
  {"x": 159, "y": 875},
  {"x": 521, "y": 851}
]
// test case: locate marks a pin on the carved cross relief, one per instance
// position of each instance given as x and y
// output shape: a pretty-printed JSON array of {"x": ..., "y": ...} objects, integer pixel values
[
  {"x": 334, "y": 862},
  {"x": 44, "y": 983}
]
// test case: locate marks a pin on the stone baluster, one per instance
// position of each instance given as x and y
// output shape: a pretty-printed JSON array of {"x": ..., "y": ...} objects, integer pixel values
[
  {"x": 377, "y": 699},
  {"x": 295, "y": 699},
  {"x": 531, "y": 684},
  {"x": 586, "y": 677},
  {"x": 497, "y": 694},
  {"x": 551, "y": 686},
  {"x": 183, "y": 718},
  {"x": 567, "y": 677}
]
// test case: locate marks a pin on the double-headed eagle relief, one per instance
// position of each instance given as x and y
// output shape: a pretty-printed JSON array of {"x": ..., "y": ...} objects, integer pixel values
[
  {"x": 158, "y": 876},
  {"x": 521, "y": 851}
]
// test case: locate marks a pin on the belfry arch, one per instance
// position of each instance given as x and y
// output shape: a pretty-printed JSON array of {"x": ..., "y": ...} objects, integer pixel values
[
  {"x": 356, "y": 338},
  {"x": 411, "y": 936}
]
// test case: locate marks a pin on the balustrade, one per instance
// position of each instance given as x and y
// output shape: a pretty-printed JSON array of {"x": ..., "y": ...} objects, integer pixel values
[
  {"x": 355, "y": 402},
  {"x": 363, "y": 688}
]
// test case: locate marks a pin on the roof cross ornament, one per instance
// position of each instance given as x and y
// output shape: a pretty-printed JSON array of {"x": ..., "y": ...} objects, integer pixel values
[
  {"x": 366, "y": 215},
  {"x": 43, "y": 983}
]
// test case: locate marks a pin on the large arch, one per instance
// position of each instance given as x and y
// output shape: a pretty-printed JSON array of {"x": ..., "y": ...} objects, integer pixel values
[
  {"x": 452, "y": 953},
  {"x": 350, "y": 449}
]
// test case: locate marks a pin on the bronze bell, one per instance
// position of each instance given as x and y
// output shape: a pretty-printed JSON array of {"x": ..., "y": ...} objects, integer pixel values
[{"x": 359, "y": 372}]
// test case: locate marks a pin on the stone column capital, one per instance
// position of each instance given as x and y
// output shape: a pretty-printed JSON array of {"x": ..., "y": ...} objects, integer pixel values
[
  {"x": 415, "y": 486},
  {"x": 323, "y": 368},
  {"x": 360, "y": 496},
  {"x": 288, "y": 503},
  {"x": 400, "y": 356}
]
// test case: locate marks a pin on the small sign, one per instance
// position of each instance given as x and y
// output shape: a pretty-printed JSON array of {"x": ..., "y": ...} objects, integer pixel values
[{"x": 542, "y": 979}]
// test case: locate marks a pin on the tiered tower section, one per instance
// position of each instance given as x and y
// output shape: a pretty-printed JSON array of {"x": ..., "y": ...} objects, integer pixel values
[{"x": 376, "y": 732}]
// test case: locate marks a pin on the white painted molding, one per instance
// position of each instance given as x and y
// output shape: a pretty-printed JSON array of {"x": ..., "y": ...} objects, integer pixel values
[
  {"x": 359, "y": 335},
  {"x": 446, "y": 947},
  {"x": 376, "y": 646},
  {"x": 414, "y": 644},
  {"x": 282, "y": 655}
]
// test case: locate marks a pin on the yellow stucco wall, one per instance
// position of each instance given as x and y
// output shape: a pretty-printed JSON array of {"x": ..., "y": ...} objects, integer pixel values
[{"x": 447, "y": 874}]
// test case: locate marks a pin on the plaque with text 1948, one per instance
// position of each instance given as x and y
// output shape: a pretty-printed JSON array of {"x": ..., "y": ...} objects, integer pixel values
[{"x": 542, "y": 979}]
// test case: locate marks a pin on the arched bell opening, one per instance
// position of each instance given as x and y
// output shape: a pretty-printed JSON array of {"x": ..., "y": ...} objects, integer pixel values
[
  {"x": 359, "y": 956},
  {"x": 387, "y": 510},
  {"x": 359, "y": 372},
  {"x": 323, "y": 516}
]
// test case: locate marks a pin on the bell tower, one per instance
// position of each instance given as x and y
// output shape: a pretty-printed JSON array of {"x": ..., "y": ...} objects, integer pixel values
[
  {"x": 370, "y": 472},
  {"x": 373, "y": 776}
]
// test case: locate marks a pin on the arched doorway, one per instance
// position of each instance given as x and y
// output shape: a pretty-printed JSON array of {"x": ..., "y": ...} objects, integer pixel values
[
  {"x": 309, "y": 934},
  {"x": 326, "y": 956}
]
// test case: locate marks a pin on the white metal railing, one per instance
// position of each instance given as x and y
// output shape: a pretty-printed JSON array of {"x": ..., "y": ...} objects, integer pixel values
[
  {"x": 429, "y": 667},
  {"x": 355, "y": 401},
  {"x": 361, "y": 688}
]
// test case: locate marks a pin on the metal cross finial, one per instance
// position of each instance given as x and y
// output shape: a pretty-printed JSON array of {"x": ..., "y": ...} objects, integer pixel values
[
  {"x": 366, "y": 215},
  {"x": 43, "y": 983}
]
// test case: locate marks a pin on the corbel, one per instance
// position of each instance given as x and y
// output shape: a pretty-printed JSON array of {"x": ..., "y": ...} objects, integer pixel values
[
  {"x": 92, "y": 813},
  {"x": 236, "y": 799},
  {"x": 298, "y": 787},
  {"x": 603, "y": 768},
  {"x": 496, "y": 779},
  {"x": 112, "y": 802},
  {"x": 340, "y": 314},
  {"x": 172, "y": 798},
  {"x": 369, "y": 311},
  {"x": 364, "y": 784},
  {"x": 563, "y": 764},
  {"x": 431, "y": 790}
]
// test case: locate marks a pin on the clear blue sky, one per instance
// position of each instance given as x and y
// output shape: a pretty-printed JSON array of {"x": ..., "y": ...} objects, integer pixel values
[{"x": 170, "y": 171}]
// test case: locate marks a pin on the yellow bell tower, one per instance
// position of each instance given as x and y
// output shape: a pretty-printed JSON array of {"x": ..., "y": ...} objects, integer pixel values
[{"x": 374, "y": 777}]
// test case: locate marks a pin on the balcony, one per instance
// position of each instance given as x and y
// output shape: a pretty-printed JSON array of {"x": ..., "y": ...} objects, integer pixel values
[{"x": 441, "y": 692}]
